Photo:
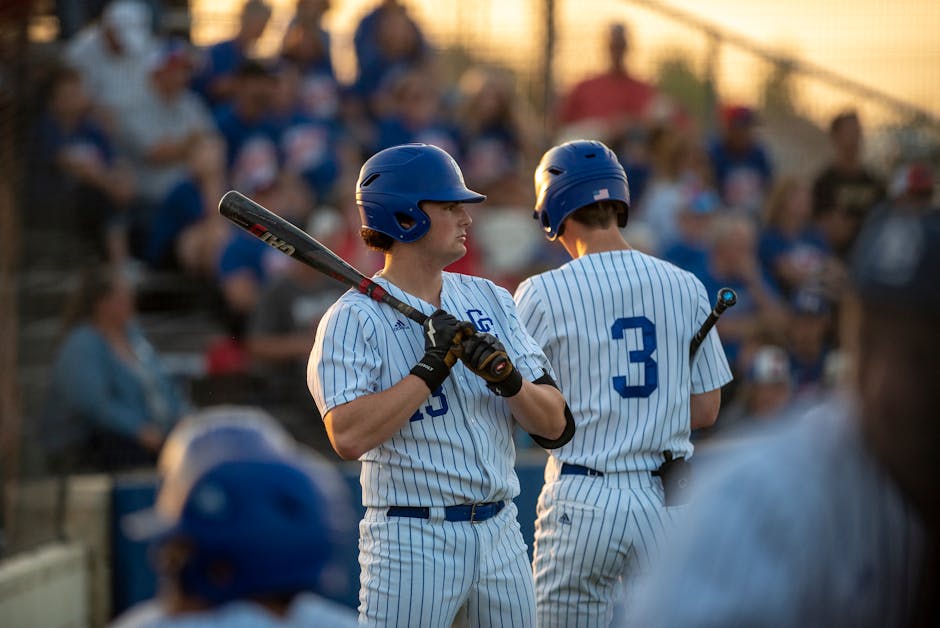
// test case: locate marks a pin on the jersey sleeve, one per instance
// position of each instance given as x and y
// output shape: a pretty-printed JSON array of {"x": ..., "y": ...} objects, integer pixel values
[
  {"x": 523, "y": 349},
  {"x": 531, "y": 311},
  {"x": 344, "y": 361},
  {"x": 710, "y": 368}
]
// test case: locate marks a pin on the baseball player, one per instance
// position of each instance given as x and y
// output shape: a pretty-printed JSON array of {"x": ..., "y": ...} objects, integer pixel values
[
  {"x": 243, "y": 528},
  {"x": 832, "y": 517},
  {"x": 440, "y": 541},
  {"x": 616, "y": 326}
]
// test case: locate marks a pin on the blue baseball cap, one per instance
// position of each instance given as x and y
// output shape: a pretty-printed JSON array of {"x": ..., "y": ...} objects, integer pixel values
[{"x": 896, "y": 262}]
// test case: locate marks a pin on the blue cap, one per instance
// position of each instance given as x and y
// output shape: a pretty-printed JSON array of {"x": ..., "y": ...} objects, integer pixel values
[
  {"x": 809, "y": 301},
  {"x": 896, "y": 262}
]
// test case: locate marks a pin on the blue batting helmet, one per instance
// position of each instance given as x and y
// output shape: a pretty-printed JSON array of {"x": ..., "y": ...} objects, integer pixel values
[
  {"x": 393, "y": 183},
  {"x": 250, "y": 505},
  {"x": 573, "y": 175}
]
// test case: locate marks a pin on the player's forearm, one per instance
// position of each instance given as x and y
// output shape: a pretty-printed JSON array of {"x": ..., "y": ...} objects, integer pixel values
[
  {"x": 539, "y": 409},
  {"x": 365, "y": 423},
  {"x": 704, "y": 408}
]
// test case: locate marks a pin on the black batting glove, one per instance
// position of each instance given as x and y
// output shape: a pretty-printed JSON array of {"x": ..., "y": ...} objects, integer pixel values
[
  {"x": 442, "y": 336},
  {"x": 480, "y": 352}
]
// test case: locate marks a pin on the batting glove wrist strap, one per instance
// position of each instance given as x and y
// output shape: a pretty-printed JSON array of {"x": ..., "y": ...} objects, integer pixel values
[
  {"x": 432, "y": 369},
  {"x": 508, "y": 387}
]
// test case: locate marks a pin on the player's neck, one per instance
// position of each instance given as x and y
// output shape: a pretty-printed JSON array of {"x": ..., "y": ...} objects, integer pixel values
[
  {"x": 418, "y": 277},
  {"x": 585, "y": 241}
]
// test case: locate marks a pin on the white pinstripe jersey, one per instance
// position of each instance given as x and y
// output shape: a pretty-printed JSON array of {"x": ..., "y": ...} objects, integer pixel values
[
  {"x": 458, "y": 447},
  {"x": 616, "y": 327},
  {"x": 797, "y": 525}
]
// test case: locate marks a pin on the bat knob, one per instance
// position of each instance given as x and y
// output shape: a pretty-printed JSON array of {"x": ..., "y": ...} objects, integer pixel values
[{"x": 727, "y": 297}]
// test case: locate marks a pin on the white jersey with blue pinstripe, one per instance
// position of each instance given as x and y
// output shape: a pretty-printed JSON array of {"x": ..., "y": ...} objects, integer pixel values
[
  {"x": 458, "y": 448},
  {"x": 616, "y": 327},
  {"x": 793, "y": 525}
]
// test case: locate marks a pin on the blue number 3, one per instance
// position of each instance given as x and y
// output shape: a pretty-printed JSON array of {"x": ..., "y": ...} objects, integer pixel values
[{"x": 651, "y": 371}]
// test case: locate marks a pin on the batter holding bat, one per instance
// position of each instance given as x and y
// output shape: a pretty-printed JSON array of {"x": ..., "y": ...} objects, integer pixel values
[
  {"x": 425, "y": 411},
  {"x": 617, "y": 326}
]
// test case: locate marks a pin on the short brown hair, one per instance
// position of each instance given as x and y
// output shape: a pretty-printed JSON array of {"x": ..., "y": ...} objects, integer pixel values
[
  {"x": 599, "y": 215},
  {"x": 376, "y": 241}
]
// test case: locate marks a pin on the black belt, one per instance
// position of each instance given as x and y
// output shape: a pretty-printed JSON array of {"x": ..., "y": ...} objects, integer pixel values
[
  {"x": 576, "y": 469},
  {"x": 473, "y": 513}
]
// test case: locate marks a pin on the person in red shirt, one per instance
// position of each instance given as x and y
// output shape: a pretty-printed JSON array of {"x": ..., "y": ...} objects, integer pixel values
[{"x": 614, "y": 97}]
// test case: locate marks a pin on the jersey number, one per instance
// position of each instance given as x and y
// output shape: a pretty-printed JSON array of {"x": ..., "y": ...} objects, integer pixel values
[
  {"x": 640, "y": 356},
  {"x": 437, "y": 398}
]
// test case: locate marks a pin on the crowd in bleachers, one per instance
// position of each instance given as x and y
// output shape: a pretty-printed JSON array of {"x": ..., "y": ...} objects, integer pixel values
[{"x": 141, "y": 133}]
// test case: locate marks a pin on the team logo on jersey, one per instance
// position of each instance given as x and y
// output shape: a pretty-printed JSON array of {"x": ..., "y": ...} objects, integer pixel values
[
  {"x": 480, "y": 320},
  {"x": 399, "y": 325},
  {"x": 601, "y": 194},
  {"x": 564, "y": 519}
]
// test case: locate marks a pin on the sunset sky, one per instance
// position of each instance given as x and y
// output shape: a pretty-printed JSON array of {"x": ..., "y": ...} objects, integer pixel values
[{"x": 892, "y": 46}]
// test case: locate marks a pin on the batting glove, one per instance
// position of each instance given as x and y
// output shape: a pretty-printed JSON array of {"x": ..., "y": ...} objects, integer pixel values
[
  {"x": 480, "y": 351},
  {"x": 442, "y": 337}
]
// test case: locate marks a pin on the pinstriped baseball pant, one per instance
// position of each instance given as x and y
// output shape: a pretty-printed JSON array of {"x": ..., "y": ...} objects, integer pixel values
[
  {"x": 591, "y": 533},
  {"x": 435, "y": 573}
]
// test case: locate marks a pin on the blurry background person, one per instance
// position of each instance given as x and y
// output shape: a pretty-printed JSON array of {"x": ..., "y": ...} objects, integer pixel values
[
  {"x": 216, "y": 79},
  {"x": 75, "y": 169},
  {"x": 742, "y": 168},
  {"x": 831, "y": 518},
  {"x": 187, "y": 232},
  {"x": 110, "y": 402},
  {"x": 792, "y": 252},
  {"x": 808, "y": 333},
  {"x": 281, "y": 330},
  {"x": 846, "y": 190},
  {"x": 243, "y": 530},
  {"x": 112, "y": 55}
]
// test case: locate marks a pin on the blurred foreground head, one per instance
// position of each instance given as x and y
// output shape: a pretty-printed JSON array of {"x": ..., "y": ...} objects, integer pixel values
[
  {"x": 242, "y": 512},
  {"x": 895, "y": 274}
]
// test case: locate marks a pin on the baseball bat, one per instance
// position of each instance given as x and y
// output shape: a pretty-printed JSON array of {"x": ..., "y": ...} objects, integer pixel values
[
  {"x": 288, "y": 239},
  {"x": 726, "y": 298}
]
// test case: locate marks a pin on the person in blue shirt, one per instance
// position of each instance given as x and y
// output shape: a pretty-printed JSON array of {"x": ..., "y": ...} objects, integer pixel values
[
  {"x": 690, "y": 251},
  {"x": 216, "y": 82},
  {"x": 791, "y": 250},
  {"x": 110, "y": 402},
  {"x": 386, "y": 39},
  {"x": 742, "y": 169},
  {"x": 74, "y": 169}
]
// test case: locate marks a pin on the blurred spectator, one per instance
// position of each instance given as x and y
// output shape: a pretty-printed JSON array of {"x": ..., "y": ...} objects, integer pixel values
[
  {"x": 690, "y": 251},
  {"x": 110, "y": 402},
  {"x": 306, "y": 45},
  {"x": 244, "y": 529},
  {"x": 494, "y": 140},
  {"x": 160, "y": 131},
  {"x": 732, "y": 263},
  {"x": 808, "y": 334},
  {"x": 766, "y": 391},
  {"x": 187, "y": 232},
  {"x": 246, "y": 263},
  {"x": 386, "y": 39},
  {"x": 913, "y": 188},
  {"x": 671, "y": 182},
  {"x": 74, "y": 169},
  {"x": 792, "y": 252},
  {"x": 308, "y": 145},
  {"x": 281, "y": 330},
  {"x": 845, "y": 191},
  {"x": 415, "y": 114},
  {"x": 246, "y": 124},
  {"x": 113, "y": 55},
  {"x": 216, "y": 80},
  {"x": 743, "y": 172},
  {"x": 614, "y": 99}
]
